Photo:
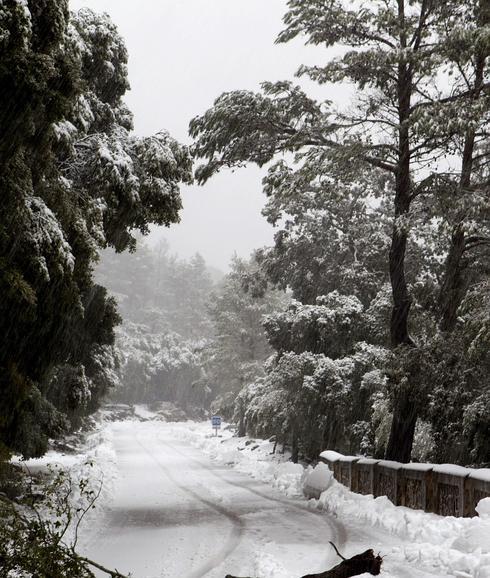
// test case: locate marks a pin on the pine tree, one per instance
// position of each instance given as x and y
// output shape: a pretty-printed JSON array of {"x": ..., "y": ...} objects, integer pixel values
[{"x": 394, "y": 52}]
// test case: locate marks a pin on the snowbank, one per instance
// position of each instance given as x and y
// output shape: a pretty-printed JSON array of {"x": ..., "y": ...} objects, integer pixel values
[
  {"x": 317, "y": 480},
  {"x": 453, "y": 544},
  {"x": 483, "y": 508}
]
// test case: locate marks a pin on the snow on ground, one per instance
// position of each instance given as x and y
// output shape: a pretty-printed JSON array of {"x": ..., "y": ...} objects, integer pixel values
[
  {"x": 95, "y": 461},
  {"x": 445, "y": 546},
  {"x": 252, "y": 457},
  {"x": 178, "y": 501},
  {"x": 175, "y": 512}
]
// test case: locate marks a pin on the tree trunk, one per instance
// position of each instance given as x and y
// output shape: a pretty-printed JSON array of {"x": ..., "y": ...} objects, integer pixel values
[
  {"x": 456, "y": 282},
  {"x": 242, "y": 430},
  {"x": 404, "y": 412},
  {"x": 401, "y": 298},
  {"x": 402, "y": 428},
  {"x": 294, "y": 447}
]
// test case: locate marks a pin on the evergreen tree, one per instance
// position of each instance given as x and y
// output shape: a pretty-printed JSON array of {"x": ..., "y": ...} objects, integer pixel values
[
  {"x": 396, "y": 54},
  {"x": 319, "y": 389},
  {"x": 330, "y": 235},
  {"x": 188, "y": 286},
  {"x": 74, "y": 179},
  {"x": 238, "y": 349}
]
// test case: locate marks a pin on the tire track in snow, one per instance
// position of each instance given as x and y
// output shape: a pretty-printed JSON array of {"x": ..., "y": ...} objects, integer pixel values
[
  {"x": 238, "y": 525},
  {"x": 338, "y": 534}
]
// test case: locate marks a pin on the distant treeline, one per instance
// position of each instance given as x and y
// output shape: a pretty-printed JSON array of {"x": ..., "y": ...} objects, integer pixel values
[{"x": 190, "y": 334}]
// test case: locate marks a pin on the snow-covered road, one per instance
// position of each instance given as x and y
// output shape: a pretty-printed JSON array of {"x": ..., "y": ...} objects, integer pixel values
[
  {"x": 180, "y": 503},
  {"x": 176, "y": 513}
]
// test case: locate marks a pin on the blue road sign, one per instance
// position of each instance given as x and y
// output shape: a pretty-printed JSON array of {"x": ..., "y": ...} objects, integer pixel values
[{"x": 216, "y": 421}]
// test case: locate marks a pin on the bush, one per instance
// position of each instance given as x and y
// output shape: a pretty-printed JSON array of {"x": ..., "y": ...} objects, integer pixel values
[{"x": 39, "y": 529}]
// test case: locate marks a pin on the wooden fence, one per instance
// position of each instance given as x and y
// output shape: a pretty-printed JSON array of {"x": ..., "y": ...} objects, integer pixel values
[{"x": 447, "y": 490}]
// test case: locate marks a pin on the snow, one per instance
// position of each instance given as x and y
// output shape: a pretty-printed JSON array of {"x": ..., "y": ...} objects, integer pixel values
[
  {"x": 116, "y": 166},
  {"x": 175, "y": 512},
  {"x": 348, "y": 459},
  {"x": 482, "y": 474},
  {"x": 330, "y": 455},
  {"x": 97, "y": 462},
  {"x": 317, "y": 480},
  {"x": 226, "y": 504},
  {"x": 441, "y": 544},
  {"x": 45, "y": 235},
  {"x": 390, "y": 465},
  {"x": 255, "y": 458},
  {"x": 451, "y": 470},
  {"x": 367, "y": 461},
  {"x": 409, "y": 538},
  {"x": 142, "y": 412},
  {"x": 483, "y": 508},
  {"x": 413, "y": 467},
  {"x": 23, "y": 18},
  {"x": 65, "y": 131},
  {"x": 24, "y": 6}
]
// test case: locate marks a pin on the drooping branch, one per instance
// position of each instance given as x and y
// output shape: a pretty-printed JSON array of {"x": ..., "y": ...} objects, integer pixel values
[
  {"x": 485, "y": 87},
  {"x": 476, "y": 241}
]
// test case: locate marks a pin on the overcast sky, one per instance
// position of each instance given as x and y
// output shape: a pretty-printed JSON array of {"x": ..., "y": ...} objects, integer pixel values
[{"x": 183, "y": 54}]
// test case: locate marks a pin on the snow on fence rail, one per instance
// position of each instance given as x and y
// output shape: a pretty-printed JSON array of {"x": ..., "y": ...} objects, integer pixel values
[{"x": 445, "y": 489}]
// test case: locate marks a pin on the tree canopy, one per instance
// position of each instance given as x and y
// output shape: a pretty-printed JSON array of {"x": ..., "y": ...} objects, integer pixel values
[
  {"x": 74, "y": 180},
  {"x": 404, "y": 125}
]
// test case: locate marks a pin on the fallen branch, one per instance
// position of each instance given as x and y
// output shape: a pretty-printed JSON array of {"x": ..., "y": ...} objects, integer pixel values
[
  {"x": 336, "y": 551},
  {"x": 363, "y": 563}
]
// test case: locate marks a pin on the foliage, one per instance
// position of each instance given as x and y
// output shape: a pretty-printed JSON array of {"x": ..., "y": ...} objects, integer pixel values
[
  {"x": 160, "y": 346},
  {"x": 420, "y": 70},
  {"x": 160, "y": 367},
  {"x": 38, "y": 534},
  {"x": 155, "y": 288},
  {"x": 238, "y": 349},
  {"x": 74, "y": 180},
  {"x": 184, "y": 339},
  {"x": 319, "y": 389}
]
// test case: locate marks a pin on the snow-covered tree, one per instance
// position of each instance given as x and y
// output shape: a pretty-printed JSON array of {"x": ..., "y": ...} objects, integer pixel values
[
  {"x": 187, "y": 289},
  {"x": 160, "y": 366},
  {"x": 320, "y": 388},
  {"x": 156, "y": 288},
  {"x": 238, "y": 348},
  {"x": 74, "y": 180},
  {"x": 162, "y": 343},
  {"x": 404, "y": 121},
  {"x": 331, "y": 234}
]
